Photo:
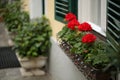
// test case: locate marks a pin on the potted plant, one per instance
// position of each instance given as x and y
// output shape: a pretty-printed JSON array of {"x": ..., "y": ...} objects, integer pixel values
[
  {"x": 32, "y": 43},
  {"x": 14, "y": 16},
  {"x": 86, "y": 51}
]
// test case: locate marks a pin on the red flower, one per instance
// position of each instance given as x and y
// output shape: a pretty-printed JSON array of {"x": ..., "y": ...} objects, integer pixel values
[
  {"x": 88, "y": 38},
  {"x": 72, "y": 24},
  {"x": 70, "y": 16},
  {"x": 85, "y": 27}
]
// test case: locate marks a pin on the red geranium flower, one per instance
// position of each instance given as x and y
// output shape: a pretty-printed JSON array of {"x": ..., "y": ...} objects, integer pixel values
[
  {"x": 70, "y": 16},
  {"x": 72, "y": 24},
  {"x": 88, "y": 38},
  {"x": 85, "y": 27}
]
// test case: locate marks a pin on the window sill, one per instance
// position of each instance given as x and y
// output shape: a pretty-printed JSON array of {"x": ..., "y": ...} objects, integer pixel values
[{"x": 97, "y": 29}]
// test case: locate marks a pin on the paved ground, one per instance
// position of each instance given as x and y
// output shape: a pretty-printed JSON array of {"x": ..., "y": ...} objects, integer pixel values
[
  {"x": 14, "y": 73},
  {"x": 3, "y": 36}
]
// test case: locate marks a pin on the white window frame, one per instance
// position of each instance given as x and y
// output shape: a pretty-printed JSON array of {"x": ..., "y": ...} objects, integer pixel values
[
  {"x": 84, "y": 15},
  {"x": 45, "y": 7},
  {"x": 36, "y": 8}
]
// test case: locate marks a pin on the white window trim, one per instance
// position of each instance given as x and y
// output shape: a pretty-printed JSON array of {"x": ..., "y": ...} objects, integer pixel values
[
  {"x": 45, "y": 6},
  {"x": 84, "y": 13},
  {"x": 103, "y": 14},
  {"x": 97, "y": 28},
  {"x": 35, "y": 9},
  {"x": 84, "y": 10}
]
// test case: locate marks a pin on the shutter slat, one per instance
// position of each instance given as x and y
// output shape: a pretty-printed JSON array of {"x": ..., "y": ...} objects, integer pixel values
[
  {"x": 60, "y": 12},
  {"x": 113, "y": 25},
  {"x": 113, "y": 40},
  {"x": 112, "y": 17},
  {"x": 65, "y": 0},
  {"x": 114, "y": 4},
  {"x": 112, "y": 45},
  {"x": 61, "y": 4},
  {"x": 113, "y": 11},
  {"x": 57, "y": 7},
  {"x": 115, "y": 20},
  {"x": 117, "y": 36}
]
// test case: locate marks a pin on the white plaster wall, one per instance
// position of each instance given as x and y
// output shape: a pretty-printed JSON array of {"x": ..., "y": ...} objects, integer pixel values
[
  {"x": 61, "y": 67},
  {"x": 35, "y": 8}
]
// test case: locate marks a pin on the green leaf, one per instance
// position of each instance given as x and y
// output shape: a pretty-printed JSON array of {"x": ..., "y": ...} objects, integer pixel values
[
  {"x": 32, "y": 38},
  {"x": 37, "y": 45},
  {"x": 34, "y": 54},
  {"x": 62, "y": 32},
  {"x": 77, "y": 45}
]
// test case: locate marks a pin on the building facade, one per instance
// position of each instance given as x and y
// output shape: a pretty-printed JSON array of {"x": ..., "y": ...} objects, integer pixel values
[{"x": 103, "y": 15}]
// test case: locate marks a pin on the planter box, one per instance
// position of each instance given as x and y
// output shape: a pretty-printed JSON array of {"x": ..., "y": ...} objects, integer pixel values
[
  {"x": 35, "y": 62},
  {"x": 33, "y": 66},
  {"x": 89, "y": 72}
]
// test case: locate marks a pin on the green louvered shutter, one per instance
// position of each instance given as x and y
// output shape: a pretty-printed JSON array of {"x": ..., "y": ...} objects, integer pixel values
[
  {"x": 113, "y": 25},
  {"x": 64, "y": 6},
  {"x": 43, "y": 7}
]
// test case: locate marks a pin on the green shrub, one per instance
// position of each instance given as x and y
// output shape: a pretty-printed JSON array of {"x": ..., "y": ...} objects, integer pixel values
[
  {"x": 14, "y": 17},
  {"x": 33, "y": 39}
]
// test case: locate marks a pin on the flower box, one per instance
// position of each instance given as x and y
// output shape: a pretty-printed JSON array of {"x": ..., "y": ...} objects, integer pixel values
[
  {"x": 90, "y": 72},
  {"x": 86, "y": 51},
  {"x": 32, "y": 63},
  {"x": 33, "y": 66}
]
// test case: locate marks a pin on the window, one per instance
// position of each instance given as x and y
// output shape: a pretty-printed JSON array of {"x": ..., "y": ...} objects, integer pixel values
[
  {"x": 64, "y": 6},
  {"x": 93, "y": 11},
  {"x": 113, "y": 25}
]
